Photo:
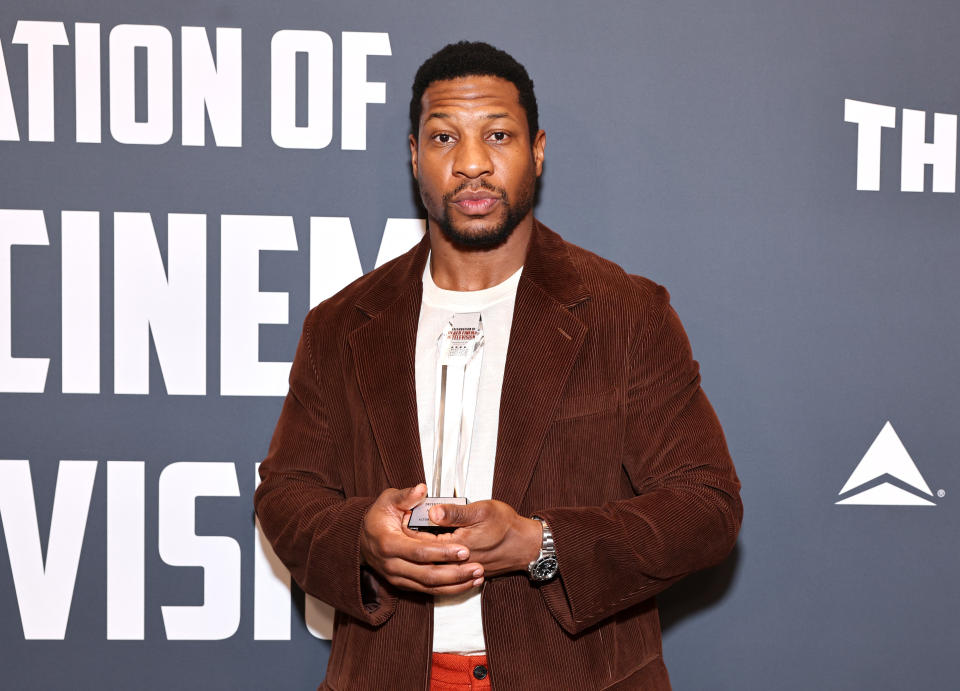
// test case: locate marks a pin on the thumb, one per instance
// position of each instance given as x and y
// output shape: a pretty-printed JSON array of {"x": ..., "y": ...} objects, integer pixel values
[
  {"x": 451, "y": 514},
  {"x": 406, "y": 499}
]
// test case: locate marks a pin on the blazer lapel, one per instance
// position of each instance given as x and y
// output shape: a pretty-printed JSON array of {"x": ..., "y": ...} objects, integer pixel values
[
  {"x": 545, "y": 338},
  {"x": 384, "y": 358}
]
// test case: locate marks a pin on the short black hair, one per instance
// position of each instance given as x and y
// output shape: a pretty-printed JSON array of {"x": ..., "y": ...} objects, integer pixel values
[{"x": 467, "y": 59}]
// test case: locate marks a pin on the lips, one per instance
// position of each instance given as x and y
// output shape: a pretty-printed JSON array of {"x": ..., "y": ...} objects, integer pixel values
[
  {"x": 476, "y": 207},
  {"x": 475, "y": 202}
]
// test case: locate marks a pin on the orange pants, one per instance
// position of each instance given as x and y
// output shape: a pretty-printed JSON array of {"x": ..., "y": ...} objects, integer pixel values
[{"x": 449, "y": 672}]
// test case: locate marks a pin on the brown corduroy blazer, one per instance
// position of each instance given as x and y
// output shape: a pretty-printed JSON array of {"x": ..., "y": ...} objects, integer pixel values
[{"x": 604, "y": 431}]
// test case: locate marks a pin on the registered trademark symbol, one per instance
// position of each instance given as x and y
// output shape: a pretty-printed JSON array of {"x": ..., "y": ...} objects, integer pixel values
[{"x": 941, "y": 493}]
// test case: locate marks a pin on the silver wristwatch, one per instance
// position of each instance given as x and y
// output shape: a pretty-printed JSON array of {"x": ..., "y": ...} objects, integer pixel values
[{"x": 544, "y": 567}]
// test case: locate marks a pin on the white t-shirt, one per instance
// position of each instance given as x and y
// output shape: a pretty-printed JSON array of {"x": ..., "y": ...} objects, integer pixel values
[{"x": 457, "y": 622}]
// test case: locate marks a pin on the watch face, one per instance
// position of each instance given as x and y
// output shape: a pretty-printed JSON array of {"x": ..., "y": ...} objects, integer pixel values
[{"x": 546, "y": 569}]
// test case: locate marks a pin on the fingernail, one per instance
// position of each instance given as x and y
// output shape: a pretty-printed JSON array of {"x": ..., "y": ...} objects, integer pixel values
[
  {"x": 478, "y": 582},
  {"x": 440, "y": 514},
  {"x": 463, "y": 554},
  {"x": 477, "y": 572}
]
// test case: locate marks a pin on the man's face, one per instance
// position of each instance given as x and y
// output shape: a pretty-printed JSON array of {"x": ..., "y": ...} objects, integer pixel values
[{"x": 474, "y": 160}]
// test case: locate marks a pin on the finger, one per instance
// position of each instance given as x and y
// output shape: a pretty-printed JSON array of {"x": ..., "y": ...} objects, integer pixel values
[
  {"x": 456, "y": 514},
  {"x": 424, "y": 551},
  {"x": 442, "y": 590},
  {"x": 434, "y": 575}
]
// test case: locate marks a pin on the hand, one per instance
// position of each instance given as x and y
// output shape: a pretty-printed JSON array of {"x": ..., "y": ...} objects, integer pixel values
[
  {"x": 497, "y": 536},
  {"x": 414, "y": 561}
]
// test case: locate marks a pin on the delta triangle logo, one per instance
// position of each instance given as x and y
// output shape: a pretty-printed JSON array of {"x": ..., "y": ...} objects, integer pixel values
[{"x": 886, "y": 460}]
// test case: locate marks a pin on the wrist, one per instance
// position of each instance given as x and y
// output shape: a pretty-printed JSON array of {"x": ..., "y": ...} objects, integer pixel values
[
  {"x": 362, "y": 546},
  {"x": 532, "y": 538}
]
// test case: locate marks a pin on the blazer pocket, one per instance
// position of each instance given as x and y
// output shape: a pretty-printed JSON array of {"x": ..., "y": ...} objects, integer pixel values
[{"x": 587, "y": 404}]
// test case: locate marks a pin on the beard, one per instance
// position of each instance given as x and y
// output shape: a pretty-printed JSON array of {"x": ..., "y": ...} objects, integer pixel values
[{"x": 489, "y": 236}]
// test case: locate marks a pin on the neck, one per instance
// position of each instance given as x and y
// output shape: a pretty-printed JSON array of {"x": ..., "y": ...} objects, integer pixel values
[{"x": 456, "y": 268}]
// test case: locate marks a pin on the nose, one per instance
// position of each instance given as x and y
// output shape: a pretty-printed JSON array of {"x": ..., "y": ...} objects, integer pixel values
[{"x": 472, "y": 159}]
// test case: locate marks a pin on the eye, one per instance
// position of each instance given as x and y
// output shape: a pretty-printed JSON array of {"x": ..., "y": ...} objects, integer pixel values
[
  {"x": 443, "y": 138},
  {"x": 499, "y": 136}
]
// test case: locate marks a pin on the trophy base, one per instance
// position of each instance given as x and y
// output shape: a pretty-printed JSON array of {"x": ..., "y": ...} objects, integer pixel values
[{"x": 420, "y": 518}]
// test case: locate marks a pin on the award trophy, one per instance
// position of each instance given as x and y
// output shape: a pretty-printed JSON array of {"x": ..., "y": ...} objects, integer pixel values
[{"x": 459, "y": 356}]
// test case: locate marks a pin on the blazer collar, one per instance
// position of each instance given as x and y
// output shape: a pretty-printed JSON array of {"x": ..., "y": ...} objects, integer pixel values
[{"x": 548, "y": 265}]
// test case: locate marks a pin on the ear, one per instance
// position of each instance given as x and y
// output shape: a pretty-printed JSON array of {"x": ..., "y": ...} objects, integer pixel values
[
  {"x": 413, "y": 156},
  {"x": 539, "y": 144}
]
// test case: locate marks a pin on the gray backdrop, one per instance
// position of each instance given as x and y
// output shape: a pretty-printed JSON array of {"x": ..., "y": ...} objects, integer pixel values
[{"x": 702, "y": 144}]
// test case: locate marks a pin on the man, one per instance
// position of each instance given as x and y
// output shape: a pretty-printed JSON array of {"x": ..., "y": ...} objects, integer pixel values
[{"x": 598, "y": 474}]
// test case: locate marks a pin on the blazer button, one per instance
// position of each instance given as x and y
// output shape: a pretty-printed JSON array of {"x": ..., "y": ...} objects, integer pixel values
[{"x": 480, "y": 672}]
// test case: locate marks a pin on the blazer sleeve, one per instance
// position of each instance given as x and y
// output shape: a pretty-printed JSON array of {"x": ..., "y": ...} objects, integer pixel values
[
  {"x": 303, "y": 510},
  {"x": 686, "y": 511}
]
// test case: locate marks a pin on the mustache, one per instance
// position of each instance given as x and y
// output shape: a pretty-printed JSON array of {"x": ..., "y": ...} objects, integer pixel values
[{"x": 474, "y": 186}]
